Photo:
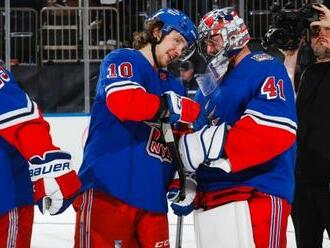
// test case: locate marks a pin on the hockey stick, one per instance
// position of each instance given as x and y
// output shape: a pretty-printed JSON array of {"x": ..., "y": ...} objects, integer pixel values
[
  {"x": 169, "y": 139},
  {"x": 179, "y": 230}
]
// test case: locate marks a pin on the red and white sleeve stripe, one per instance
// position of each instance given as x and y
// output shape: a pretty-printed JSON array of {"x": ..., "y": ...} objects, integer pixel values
[
  {"x": 257, "y": 138},
  {"x": 128, "y": 100}
]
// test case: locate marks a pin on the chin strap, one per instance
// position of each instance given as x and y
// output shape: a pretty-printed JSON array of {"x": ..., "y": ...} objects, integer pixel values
[
  {"x": 154, "y": 43},
  {"x": 153, "y": 51}
]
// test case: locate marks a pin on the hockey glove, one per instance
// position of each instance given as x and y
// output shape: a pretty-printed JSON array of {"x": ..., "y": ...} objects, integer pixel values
[
  {"x": 204, "y": 146},
  {"x": 178, "y": 108},
  {"x": 186, "y": 206},
  {"x": 54, "y": 181},
  {"x": 201, "y": 120}
]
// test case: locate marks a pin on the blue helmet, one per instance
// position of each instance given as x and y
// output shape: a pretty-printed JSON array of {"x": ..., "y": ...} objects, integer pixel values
[{"x": 176, "y": 20}]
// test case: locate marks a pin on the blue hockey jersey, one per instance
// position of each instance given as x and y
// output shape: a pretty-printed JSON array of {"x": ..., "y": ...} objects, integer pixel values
[
  {"x": 15, "y": 183},
  {"x": 256, "y": 100},
  {"x": 15, "y": 108},
  {"x": 127, "y": 158}
]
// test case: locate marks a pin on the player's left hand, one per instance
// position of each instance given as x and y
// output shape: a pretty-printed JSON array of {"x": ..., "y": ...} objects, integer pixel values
[
  {"x": 54, "y": 181},
  {"x": 187, "y": 205}
]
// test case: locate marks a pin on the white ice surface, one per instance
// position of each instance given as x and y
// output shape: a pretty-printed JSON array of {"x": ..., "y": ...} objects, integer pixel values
[{"x": 58, "y": 231}]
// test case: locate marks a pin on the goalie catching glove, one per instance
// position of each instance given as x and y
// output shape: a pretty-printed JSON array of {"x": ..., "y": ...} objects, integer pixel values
[
  {"x": 204, "y": 147},
  {"x": 178, "y": 108},
  {"x": 54, "y": 181},
  {"x": 187, "y": 205}
]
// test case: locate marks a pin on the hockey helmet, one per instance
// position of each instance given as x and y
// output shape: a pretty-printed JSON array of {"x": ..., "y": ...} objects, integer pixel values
[
  {"x": 176, "y": 20},
  {"x": 229, "y": 25}
]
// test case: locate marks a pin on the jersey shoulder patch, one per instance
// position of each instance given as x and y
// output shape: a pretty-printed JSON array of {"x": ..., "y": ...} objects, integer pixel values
[{"x": 262, "y": 57}]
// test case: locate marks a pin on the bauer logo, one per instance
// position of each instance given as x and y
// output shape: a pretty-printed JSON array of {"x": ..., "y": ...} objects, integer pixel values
[{"x": 50, "y": 168}]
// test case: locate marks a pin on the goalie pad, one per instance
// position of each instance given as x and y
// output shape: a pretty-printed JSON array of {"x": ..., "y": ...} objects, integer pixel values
[
  {"x": 228, "y": 225},
  {"x": 205, "y": 145}
]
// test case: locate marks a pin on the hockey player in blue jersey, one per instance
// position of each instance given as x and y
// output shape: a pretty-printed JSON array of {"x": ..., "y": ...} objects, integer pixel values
[
  {"x": 127, "y": 166},
  {"x": 33, "y": 169},
  {"x": 244, "y": 158}
]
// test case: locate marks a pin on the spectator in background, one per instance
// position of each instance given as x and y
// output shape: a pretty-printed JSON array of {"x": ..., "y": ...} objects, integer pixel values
[
  {"x": 325, "y": 21},
  {"x": 187, "y": 75},
  {"x": 310, "y": 212}
]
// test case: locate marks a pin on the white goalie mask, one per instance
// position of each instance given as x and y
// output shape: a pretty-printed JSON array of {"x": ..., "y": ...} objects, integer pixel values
[{"x": 233, "y": 37}]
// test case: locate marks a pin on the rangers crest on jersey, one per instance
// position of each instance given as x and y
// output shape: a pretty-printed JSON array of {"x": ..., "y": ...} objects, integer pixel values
[
  {"x": 262, "y": 57},
  {"x": 156, "y": 146}
]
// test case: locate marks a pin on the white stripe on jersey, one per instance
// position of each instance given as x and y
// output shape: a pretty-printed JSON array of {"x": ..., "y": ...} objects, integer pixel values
[
  {"x": 272, "y": 121},
  {"x": 21, "y": 115},
  {"x": 122, "y": 85}
]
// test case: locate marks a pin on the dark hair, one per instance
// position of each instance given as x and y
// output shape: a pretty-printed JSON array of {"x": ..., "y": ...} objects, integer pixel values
[{"x": 141, "y": 39}]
